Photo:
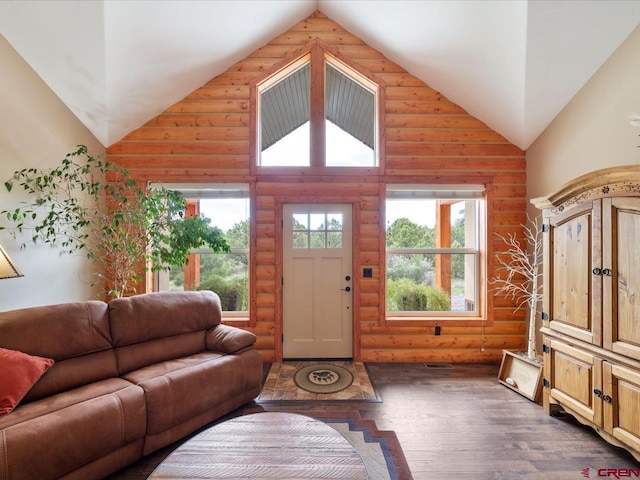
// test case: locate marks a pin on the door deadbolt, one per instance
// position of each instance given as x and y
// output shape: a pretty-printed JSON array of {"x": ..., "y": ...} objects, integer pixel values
[{"x": 347, "y": 278}]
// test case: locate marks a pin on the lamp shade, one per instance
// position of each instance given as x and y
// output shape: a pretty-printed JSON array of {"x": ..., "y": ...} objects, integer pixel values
[{"x": 7, "y": 268}]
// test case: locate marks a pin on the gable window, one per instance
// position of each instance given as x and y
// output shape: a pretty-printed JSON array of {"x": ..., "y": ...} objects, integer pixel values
[
  {"x": 227, "y": 274},
  {"x": 434, "y": 236},
  {"x": 317, "y": 112}
]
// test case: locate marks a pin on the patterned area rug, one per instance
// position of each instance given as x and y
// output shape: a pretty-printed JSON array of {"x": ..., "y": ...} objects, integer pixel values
[
  {"x": 380, "y": 450},
  {"x": 315, "y": 381}
]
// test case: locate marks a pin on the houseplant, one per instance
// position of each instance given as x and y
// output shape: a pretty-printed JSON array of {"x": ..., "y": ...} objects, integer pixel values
[
  {"x": 95, "y": 207},
  {"x": 520, "y": 280}
]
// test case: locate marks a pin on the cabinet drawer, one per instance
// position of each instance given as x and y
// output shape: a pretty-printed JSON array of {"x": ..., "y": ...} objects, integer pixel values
[{"x": 573, "y": 376}]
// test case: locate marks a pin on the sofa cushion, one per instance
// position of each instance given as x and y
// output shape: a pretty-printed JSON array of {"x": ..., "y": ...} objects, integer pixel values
[
  {"x": 74, "y": 372},
  {"x": 139, "y": 355},
  {"x": 163, "y": 314},
  {"x": 177, "y": 390},
  {"x": 57, "y": 331},
  {"x": 227, "y": 339},
  {"x": 63, "y": 333},
  {"x": 54, "y": 436},
  {"x": 18, "y": 375}
]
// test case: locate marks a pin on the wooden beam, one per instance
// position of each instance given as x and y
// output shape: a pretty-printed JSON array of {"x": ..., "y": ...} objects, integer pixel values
[
  {"x": 192, "y": 268},
  {"x": 317, "y": 113},
  {"x": 443, "y": 240}
]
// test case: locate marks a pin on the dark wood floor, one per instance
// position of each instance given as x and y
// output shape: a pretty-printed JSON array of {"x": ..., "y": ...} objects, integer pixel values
[{"x": 460, "y": 423}]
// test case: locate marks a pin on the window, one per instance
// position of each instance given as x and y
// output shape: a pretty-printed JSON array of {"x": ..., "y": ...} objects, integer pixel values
[
  {"x": 317, "y": 112},
  {"x": 317, "y": 230},
  {"x": 227, "y": 274},
  {"x": 433, "y": 239},
  {"x": 284, "y": 120}
]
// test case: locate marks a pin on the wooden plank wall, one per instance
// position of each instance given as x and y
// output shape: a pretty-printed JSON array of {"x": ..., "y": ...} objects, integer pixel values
[{"x": 206, "y": 138}]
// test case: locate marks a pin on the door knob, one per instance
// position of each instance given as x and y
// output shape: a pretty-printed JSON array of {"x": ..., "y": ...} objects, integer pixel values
[{"x": 347, "y": 289}]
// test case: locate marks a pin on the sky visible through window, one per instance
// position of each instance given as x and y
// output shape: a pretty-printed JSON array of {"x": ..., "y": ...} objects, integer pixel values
[
  {"x": 342, "y": 149},
  {"x": 225, "y": 212},
  {"x": 421, "y": 212}
]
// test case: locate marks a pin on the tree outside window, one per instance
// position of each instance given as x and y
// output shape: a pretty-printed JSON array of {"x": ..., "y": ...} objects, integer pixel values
[
  {"x": 226, "y": 274},
  {"x": 432, "y": 254}
]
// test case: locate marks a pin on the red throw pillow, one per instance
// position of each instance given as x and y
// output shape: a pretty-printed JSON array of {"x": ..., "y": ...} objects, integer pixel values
[{"x": 18, "y": 373}]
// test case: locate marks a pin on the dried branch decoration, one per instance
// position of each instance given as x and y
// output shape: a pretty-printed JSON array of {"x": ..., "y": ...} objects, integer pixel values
[{"x": 522, "y": 282}]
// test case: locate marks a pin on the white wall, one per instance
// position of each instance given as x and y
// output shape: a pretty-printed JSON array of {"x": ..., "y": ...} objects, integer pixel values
[
  {"x": 37, "y": 130},
  {"x": 593, "y": 131}
]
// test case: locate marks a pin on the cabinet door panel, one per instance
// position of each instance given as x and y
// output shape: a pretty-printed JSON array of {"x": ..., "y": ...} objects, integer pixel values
[
  {"x": 576, "y": 305},
  {"x": 574, "y": 374},
  {"x": 622, "y": 288},
  {"x": 621, "y": 414}
]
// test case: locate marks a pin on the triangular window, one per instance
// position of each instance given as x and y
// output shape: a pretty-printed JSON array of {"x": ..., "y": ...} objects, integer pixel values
[{"x": 317, "y": 112}]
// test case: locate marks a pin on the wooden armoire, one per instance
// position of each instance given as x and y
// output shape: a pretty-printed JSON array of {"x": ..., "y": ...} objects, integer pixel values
[{"x": 591, "y": 305}]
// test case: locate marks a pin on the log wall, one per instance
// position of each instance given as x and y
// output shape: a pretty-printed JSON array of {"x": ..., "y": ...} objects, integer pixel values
[{"x": 427, "y": 139}]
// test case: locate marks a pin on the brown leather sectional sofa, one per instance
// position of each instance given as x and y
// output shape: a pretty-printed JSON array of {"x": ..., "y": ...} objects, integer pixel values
[{"x": 129, "y": 377}]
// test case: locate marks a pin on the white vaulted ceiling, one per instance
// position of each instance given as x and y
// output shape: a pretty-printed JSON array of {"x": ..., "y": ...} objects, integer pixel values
[{"x": 512, "y": 64}]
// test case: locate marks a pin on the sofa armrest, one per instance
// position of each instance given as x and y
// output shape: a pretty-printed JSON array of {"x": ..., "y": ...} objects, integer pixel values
[{"x": 227, "y": 339}]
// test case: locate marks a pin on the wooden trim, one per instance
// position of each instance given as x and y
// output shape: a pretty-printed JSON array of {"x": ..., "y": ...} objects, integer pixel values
[
  {"x": 443, "y": 240},
  {"x": 350, "y": 67},
  {"x": 608, "y": 182},
  {"x": 487, "y": 261},
  {"x": 254, "y": 109},
  {"x": 319, "y": 174},
  {"x": 317, "y": 117},
  {"x": 356, "y": 274},
  {"x": 282, "y": 68},
  {"x": 253, "y": 250},
  {"x": 382, "y": 307},
  {"x": 279, "y": 274},
  {"x": 440, "y": 178},
  {"x": 280, "y": 201},
  {"x": 381, "y": 128},
  {"x": 192, "y": 267}
]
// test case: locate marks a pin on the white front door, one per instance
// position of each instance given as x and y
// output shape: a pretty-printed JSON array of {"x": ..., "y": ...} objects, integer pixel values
[{"x": 317, "y": 281}]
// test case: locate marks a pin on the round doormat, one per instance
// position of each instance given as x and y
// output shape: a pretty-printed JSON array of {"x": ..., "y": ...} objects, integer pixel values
[{"x": 323, "y": 378}]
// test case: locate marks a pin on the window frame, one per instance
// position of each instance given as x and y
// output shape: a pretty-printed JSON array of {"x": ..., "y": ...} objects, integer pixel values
[
  {"x": 317, "y": 53},
  {"x": 203, "y": 191},
  {"x": 463, "y": 192}
]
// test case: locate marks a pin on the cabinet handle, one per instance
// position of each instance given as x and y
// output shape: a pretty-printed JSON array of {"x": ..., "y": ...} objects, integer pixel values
[
  {"x": 597, "y": 392},
  {"x": 596, "y": 271},
  {"x": 606, "y": 272},
  {"x": 606, "y": 398}
]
